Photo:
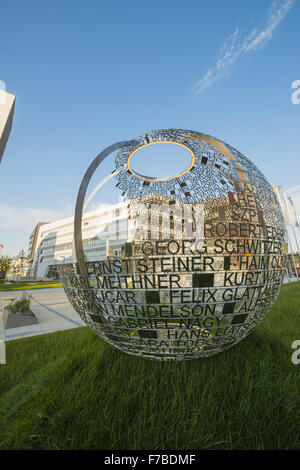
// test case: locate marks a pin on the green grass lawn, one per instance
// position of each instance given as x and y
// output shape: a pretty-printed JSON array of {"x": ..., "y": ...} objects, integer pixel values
[
  {"x": 28, "y": 285},
  {"x": 70, "y": 390}
]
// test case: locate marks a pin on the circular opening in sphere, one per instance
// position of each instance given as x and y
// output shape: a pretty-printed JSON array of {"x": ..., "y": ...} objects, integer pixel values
[{"x": 161, "y": 161}]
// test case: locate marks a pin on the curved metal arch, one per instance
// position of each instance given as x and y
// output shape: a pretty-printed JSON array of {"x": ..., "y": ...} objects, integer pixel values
[
  {"x": 90, "y": 198},
  {"x": 79, "y": 208},
  {"x": 80, "y": 201}
]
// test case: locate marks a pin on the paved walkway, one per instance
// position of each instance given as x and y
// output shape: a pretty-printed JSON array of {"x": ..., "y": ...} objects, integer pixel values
[
  {"x": 287, "y": 280},
  {"x": 52, "y": 308}
]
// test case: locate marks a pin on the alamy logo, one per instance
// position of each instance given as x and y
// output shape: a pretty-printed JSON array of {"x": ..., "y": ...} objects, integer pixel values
[
  {"x": 296, "y": 354},
  {"x": 296, "y": 95},
  {"x": 2, "y": 92},
  {"x": 154, "y": 221},
  {"x": 157, "y": 221}
]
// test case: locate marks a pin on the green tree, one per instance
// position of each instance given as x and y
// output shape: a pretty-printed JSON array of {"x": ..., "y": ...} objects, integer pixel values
[
  {"x": 5, "y": 263},
  {"x": 19, "y": 264}
]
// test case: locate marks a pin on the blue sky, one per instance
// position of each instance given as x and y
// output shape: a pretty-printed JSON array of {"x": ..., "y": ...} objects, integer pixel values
[{"x": 88, "y": 74}]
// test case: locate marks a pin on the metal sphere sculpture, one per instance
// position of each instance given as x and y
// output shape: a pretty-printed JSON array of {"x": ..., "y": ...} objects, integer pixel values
[{"x": 203, "y": 261}]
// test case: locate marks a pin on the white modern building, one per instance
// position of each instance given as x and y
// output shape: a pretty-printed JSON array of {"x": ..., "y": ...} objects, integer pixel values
[{"x": 104, "y": 231}]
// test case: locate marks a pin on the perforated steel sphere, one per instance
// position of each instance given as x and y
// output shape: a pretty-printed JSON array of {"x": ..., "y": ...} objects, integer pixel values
[{"x": 200, "y": 262}]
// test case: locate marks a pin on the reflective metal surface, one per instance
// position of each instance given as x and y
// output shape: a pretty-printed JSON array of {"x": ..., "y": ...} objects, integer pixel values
[{"x": 204, "y": 258}]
